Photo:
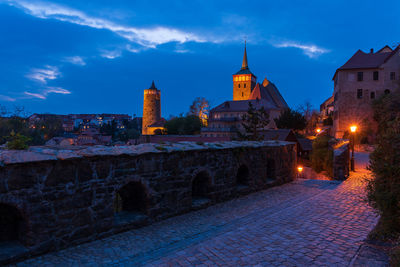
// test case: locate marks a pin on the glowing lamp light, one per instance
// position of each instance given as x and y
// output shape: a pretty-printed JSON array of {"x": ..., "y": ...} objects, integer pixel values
[
  {"x": 318, "y": 130},
  {"x": 353, "y": 128},
  {"x": 300, "y": 168}
]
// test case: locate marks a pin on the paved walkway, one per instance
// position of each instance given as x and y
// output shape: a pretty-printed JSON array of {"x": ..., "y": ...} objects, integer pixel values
[{"x": 304, "y": 223}]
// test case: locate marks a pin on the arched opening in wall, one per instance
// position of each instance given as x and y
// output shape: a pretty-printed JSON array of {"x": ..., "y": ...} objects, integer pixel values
[
  {"x": 131, "y": 203},
  {"x": 12, "y": 231},
  {"x": 387, "y": 91},
  {"x": 200, "y": 189},
  {"x": 271, "y": 170},
  {"x": 242, "y": 176}
]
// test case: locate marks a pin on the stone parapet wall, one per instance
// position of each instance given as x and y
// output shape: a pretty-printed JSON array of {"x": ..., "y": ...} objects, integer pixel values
[
  {"x": 341, "y": 161},
  {"x": 63, "y": 197}
]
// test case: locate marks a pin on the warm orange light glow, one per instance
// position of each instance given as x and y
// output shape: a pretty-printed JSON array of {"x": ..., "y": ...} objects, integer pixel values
[
  {"x": 318, "y": 130},
  {"x": 300, "y": 168},
  {"x": 353, "y": 128}
]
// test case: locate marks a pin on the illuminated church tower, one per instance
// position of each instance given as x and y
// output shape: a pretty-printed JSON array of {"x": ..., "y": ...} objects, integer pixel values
[
  {"x": 151, "y": 110},
  {"x": 243, "y": 81}
]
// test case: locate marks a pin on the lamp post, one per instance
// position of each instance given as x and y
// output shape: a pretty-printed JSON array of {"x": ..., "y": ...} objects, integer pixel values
[
  {"x": 300, "y": 170},
  {"x": 318, "y": 130},
  {"x": 353, "y": 130}
]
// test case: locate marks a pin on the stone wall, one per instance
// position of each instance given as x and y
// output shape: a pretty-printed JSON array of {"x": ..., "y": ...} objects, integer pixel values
[
  {"x": 62, "y": 197},
  {"x": 341, "y": 161}
]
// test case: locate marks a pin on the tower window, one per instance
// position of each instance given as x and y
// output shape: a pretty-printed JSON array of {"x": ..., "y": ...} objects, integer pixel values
[
  {"x": 360, "y": 76},
  {"x": 372, "y": 95},
  {"x": 393, "y": 75},
  {"x": 376, "y": 75},
  {"x": 244, "y": 85},
  {"x": 359, "y": 93}
]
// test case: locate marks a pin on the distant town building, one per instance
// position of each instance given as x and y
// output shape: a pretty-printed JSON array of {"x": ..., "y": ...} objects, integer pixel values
[
  {"x": 225, "y": 120},
  {"x": 152, "y": 120},
  {"x": 326, "y": 108},
  {"x": 361, "y": 80},
  {"x": 72, "y": 122}
]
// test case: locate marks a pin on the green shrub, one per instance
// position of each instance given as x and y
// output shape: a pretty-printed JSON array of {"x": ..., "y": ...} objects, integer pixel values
[
  {"x": 395, "y": 256},
  {"x": 322, "y": 155},
  {"x": 383, "y": 189},
  {"x": 17, "y": 141}
]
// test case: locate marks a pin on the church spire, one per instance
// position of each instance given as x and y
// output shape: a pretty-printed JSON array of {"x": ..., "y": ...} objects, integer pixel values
[
  {"x": 153, "y": 86},
  {"x": 244, "y": 64}
]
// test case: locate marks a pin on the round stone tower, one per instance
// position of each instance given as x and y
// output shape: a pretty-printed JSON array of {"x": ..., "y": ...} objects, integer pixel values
[{"x": 151, "y": 110}]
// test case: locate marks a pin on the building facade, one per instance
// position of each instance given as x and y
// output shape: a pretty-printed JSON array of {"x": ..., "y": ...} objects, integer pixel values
[
  {"x": 362, "y": 79},
  {"x": 225, "y": 120},
  {"x": 152, "y": 120}
]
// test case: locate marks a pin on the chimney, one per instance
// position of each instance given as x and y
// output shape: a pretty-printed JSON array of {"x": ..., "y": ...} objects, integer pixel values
[{"x": 372, "y": 51}]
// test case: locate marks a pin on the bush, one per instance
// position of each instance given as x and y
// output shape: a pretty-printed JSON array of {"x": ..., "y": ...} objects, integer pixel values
[
  {"x": 17, "y": 141},
  {"x": 395, "y": 256},
  {"x": 383, "y": 189},
  {"x": 189, "y": 125},
  {"x": 322, "y": 155}
]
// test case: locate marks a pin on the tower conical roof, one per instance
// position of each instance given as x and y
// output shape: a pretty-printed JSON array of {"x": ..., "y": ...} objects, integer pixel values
[
  {"x": 245, "y": 67},
  {"x": 153, "y": 86},
  {"x": 244, "y": 63}
]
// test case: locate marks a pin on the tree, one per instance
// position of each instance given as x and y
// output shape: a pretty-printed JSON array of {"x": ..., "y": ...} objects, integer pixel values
[
  {"x": 50, "y": 127},
  {"x": 200, "y": 108},
  {"x": 383, "y": 189},
  {"x": 322, "y": 155},
  {"x": 188, "y": 125},
  {"x": 291, "y": 119},
  {"x": 253, "y": 121},
  {"x": 17, "y": 141},
  {"x": 311, "y": 115}
]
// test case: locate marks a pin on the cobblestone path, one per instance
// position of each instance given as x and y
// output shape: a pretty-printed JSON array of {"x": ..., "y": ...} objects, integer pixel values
[{"x": 304, "y": 223}]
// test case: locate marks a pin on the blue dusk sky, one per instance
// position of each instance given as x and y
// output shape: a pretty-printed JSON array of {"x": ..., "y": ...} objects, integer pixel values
[{"x": 97, "y": 56}]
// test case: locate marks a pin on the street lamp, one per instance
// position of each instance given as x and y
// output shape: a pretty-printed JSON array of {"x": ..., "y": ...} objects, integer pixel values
[
  {"x": 300, "y": 170},
  {"x": 353, "y": 130},
  {"x": 318, "y": 130}
]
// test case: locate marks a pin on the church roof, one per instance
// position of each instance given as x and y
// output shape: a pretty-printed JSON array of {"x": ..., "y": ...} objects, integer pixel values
[
  {"x": 259, "y": 93},
  {"x": 243, "y": 105}
]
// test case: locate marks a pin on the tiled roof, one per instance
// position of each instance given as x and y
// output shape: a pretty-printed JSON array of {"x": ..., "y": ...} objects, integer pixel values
[
  {"x": 278, "y": 134},
  {"x": 259, "y": 93},
  {"x": 361, "y": 60},
  {"x": 243, "y": 105},
  {"x": 305, "y": 144},
  {"x": 244, "y": 71}
]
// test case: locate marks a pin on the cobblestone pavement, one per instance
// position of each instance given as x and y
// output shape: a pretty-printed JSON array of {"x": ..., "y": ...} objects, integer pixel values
[{"x": 304, "y": 223}]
